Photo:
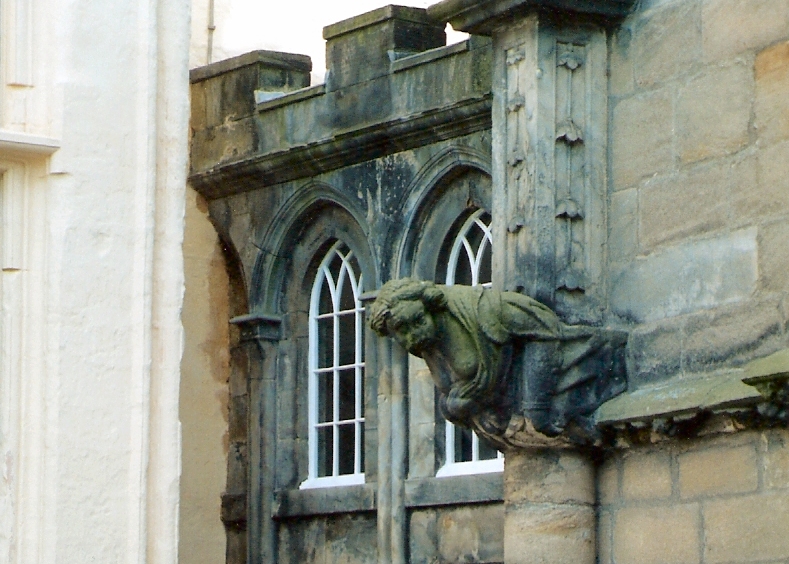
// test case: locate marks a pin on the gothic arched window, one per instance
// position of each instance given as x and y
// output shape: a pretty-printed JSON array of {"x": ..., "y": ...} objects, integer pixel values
[
  {"x": 469, "y": 263},
  {"x": 336, "y": 372}
]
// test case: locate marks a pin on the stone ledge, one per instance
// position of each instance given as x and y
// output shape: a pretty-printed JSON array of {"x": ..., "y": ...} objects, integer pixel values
[
  {"x": 455, "y": 490},
  {"x": 753, "y": 397},
  {"x": 292, "y": 97},
  {"x": 274, "y": 59},
  {"x": 324, "y": 501},
  {"x": 678, "y": 398}
]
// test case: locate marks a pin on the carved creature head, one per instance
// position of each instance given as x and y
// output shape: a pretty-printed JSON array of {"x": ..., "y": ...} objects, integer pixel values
[{"x": 403, "y": 310}]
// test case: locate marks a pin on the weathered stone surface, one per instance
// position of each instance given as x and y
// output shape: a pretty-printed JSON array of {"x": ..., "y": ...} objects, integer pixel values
[
  {"x": 646, "y": 476},
  {"x": 713, "y": 112},
  {"x": 657, "y": 535},
  {"x": 655, "y": 351},
  {"x": 678, "y": 206},
  {"x": 642, "y": 137},
  {"x": 551, "y": 477},
  {"x": 730, "y": 27},
  {"x": 770, "y": 198},
  {"x": 351, "y": 539},
  {"x": 623, "y": 225},
  {"x": 516, "y": 375},
  {"x": 454, "y": 490},
  {"x": 471, "y": 534},
  {"x": 731, "y": 335},
  {"x": 549, "y": 534},
  {"x": 718, "y": 471},
  {"x": 776, "y": 460},
  {"x": 608, "y": 481},
  {"x": 423, "y": 537},
  {"x": 772, "y": 83},
  {"x": 746, "y": 529},
  {"x": 666, "y": 41},
  {"x": 688, "y": 277},
  {"x": 605, "y": 533},
  {"x": 621, "y": 81},
  {"x": 361, "y": 48},
  {"x": 679, "y": 397}
]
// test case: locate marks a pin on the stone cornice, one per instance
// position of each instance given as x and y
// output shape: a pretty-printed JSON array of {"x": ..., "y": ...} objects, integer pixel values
[
  {"x": 344, "y": 149},
  {"x": 481, "y": 17}
]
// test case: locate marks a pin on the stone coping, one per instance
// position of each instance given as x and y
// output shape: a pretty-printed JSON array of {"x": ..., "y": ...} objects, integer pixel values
[
  {"x": 405, "y": 13},
  {"x": 680, "y": 397},
  {"x": 475, "y": 16},
  {"x": 717, "y": 391},
  {"x": 292, "y": 97},
  {"x": 275, "y": 59},
  {"x": 429, "y": 56}
]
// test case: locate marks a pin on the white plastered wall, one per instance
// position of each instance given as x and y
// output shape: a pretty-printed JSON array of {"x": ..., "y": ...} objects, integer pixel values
[{"x": 93, "y": 123}]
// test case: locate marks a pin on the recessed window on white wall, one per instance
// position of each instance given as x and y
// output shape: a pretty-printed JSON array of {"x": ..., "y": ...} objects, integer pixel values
[
  {"x": 336, "y": 372},
  {"x": 469, "y": 263}
]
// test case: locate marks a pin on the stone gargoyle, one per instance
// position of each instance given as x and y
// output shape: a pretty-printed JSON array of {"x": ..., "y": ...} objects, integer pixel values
[{"x": 504, "y": 364}]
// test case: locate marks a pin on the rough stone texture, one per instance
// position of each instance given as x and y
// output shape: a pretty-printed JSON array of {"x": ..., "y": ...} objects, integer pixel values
[
  {"x": 713, "y": 112},
  {"x": 776, "y": 460},
  {"x": 555, "y": 477},
  {"x": 642, "y": 137},
  {"x": 605, "y": 531},
  {"x": 623, "y": 226},
  {"x": 730, "y": 27},
  {"x": 771, "y": 196},
  {"x": 657, "y": 535},
  {"x": 666, "y": 41},
  {"x": 549, "y": 516},
  {"x": 655, "y": 351},
  {"x": 739, "y": 333},
  {"x": 736, "y": 471},
  {"x": 747, "y": 529},
  {"x": 772, "y": 82},
  {"x": 608, "y": 481},
  {"x": 688, "y": 277},
  {"x": 647, "y": 476},
  {"x": 549, "y": 534},
  {"x": 621, "y": 81},
  {"x": 471, "y": 534},
  {"x": 683, "y": 205}
]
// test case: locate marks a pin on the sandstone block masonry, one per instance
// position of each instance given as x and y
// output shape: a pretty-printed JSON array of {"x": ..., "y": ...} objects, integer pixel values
[{"x": 710, "y": 500}]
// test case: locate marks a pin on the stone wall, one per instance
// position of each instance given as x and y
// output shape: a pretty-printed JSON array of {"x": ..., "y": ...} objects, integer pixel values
[
  {"x": 699, "y": 198},
  {"x": 708, "y": 500}
]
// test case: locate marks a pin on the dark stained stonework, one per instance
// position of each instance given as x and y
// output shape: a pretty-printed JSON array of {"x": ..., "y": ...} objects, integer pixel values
[
  {"x": 406, "y": 140},
  {"x": 504, "y": 364}
]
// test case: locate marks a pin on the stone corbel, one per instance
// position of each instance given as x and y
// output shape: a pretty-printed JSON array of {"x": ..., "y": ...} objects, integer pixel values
[{"x": 259, "y": 327}]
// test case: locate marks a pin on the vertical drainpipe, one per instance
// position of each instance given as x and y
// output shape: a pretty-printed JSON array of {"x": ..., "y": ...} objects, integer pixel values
[{"x": 211, "y": 28}]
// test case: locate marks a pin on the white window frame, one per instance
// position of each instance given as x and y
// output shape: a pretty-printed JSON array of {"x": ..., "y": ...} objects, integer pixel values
[
  {"x": 322, "y": 277},
  {"x": 462, "y": 244}
]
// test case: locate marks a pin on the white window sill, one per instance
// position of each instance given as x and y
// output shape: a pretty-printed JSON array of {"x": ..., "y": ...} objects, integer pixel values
[
  {"x": 466, "y": 468},
  {"x": 26, "y": 143},
  {"x": 332, "y": 481}
]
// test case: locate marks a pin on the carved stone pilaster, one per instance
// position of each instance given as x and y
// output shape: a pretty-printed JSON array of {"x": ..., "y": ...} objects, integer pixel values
[
  {"x": 248, "y": 503},
  {"x": 550, "y": 114}
]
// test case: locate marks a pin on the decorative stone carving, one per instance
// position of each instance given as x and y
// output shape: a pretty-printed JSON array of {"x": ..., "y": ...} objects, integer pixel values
[{"x": 504, "y": 364}]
